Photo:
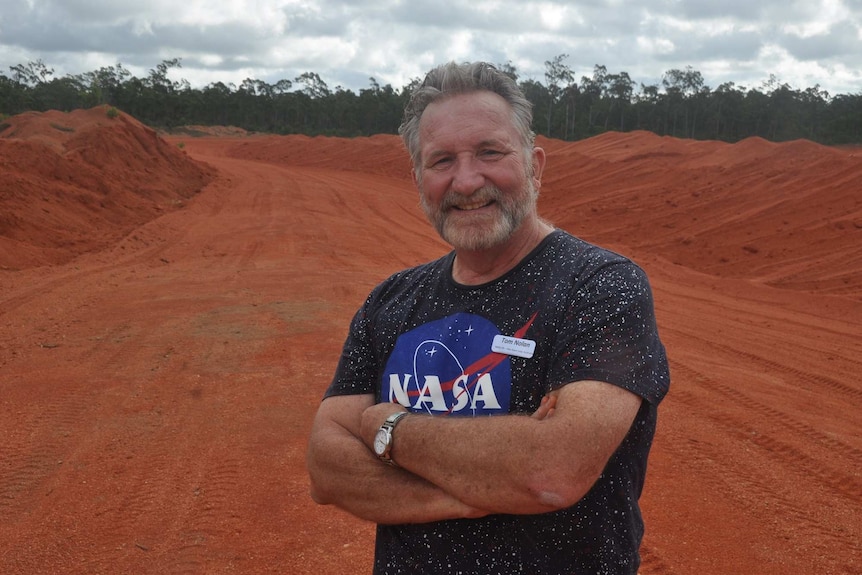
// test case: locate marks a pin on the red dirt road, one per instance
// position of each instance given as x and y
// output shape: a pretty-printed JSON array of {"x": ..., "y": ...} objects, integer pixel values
[{"x": 162, "y": 352}]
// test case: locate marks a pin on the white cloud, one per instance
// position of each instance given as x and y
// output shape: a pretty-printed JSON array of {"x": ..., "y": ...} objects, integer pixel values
[
  {"x": 346, "y": 42},
  {"x": 655, "y": 46},
  {"x": 554, "y": 17}
]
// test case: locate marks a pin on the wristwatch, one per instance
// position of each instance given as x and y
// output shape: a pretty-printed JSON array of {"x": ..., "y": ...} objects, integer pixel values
[{"x": 383, "y": 439}]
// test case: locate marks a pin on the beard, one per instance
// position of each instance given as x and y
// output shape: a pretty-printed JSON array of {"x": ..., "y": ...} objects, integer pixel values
[{"x": 483, "y": 231}]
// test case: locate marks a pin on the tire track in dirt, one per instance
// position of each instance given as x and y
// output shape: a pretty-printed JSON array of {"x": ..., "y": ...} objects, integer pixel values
[
  {"x": 755, "y": 500},
  {"x": 753, "y": 485},
  {"x": 800, "y": 463},
  {"x": 201, "y": 486},
  {"x": 797, "y": 428},
  {"x": 36, "y": 441},
  {"x": 122, "y": 524},
  {"x": 788, "y": 375},
  {"x": 795, "y": 374},
  {"x": 210, "y": 516}
]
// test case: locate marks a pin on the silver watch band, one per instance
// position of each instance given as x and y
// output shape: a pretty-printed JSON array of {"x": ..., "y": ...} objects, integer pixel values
[{"x": 389, "y": 427}]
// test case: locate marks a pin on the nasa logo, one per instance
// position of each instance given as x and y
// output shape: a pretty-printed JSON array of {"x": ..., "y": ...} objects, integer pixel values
[{"x": 445, "y": 367}]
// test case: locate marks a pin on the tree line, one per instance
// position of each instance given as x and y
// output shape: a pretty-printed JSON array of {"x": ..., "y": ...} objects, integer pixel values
[{"x": 682, "y": 105}]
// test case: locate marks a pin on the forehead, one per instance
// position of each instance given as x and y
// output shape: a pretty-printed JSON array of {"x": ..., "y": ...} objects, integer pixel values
[{"x": 467, "y": 119}]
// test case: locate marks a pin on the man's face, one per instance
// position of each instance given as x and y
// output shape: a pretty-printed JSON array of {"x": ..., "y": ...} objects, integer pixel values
[{"x": 474, "y": 179}]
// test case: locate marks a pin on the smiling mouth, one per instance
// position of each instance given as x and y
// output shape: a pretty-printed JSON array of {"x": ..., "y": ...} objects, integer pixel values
[{"x": 473, "y": 206}]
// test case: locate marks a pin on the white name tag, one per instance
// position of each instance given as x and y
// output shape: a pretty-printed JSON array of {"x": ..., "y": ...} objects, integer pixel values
[{"x": 513, "y": 346}]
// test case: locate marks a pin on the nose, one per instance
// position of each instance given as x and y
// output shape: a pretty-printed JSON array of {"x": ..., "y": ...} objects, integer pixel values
[{"x": 467, "y": 176}]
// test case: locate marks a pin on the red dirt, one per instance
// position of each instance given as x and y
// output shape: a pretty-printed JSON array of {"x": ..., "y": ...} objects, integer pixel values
[{"x": 171, "y": 310}]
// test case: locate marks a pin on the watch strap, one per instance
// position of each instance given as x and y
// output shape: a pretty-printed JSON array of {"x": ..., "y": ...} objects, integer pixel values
[{"x": 389, "y": 426}]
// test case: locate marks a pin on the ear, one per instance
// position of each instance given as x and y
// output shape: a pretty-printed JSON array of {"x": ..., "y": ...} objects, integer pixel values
[
  {"x": 538, "y": 165},
  {"x": 415, "y": 177}
]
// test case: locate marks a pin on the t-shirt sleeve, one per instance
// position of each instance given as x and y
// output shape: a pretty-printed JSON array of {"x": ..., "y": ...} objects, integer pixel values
[
  {"x": 609, "y": 333},
  {"x": 368, "y": 343},
  {"x": 357, "y": 371}
]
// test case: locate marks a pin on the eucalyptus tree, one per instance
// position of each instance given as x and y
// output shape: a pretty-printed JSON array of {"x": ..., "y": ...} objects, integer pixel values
[
  {"x": 724, "y": 113},
  {"x": 32, "y": 73},
  {"x": 593, "y": 90},
  {"x": 682, "y": 88},
  {"x": 559, "y": 76},
  {"x": 620, "y": 90}
]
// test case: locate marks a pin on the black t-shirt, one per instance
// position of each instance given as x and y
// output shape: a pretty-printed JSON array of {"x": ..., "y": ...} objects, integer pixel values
[{"x": 569, "y": 311}]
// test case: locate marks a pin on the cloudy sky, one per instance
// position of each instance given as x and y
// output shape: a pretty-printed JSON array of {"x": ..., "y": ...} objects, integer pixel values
[{"x": 801, "y": 42}]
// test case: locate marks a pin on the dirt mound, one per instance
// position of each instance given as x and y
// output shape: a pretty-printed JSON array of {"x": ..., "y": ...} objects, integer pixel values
[
  {"x": 76, "y": 182},
  {"x": 786, "y": 214},
  {"x": 380, "y": 155}
]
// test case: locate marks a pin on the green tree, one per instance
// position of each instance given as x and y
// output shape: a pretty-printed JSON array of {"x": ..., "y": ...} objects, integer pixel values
[
  {"x": 559, "y": 76},
  {"x": 31, "y": 74},
  {"x": 538, "y": 95},
  {"x": 724, "y": 112},
  {"x": 63, "y": 94},
  {"x": 843, "y": 121},
  {"x": 509, "y": 69},
  {"x": 682, "y": 87},
  {"x": 686, "y": 107},
  {"x": 593, "y": 90},
  {"x": 646, "y": 104},
  {"x": 314, "y": 86},
  {"x": 105, "y": 85},
  {"x": 620, "y": 89}
]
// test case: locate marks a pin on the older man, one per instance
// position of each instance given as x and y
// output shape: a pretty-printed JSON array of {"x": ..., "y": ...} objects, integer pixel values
[{"x": 493, "y": 410}]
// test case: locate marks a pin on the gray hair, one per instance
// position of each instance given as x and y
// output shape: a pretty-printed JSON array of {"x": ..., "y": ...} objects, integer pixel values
[{"x": 451, "y": 79}]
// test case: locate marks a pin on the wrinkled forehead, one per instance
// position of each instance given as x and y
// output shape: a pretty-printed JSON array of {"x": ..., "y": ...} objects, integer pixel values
[{"x": 462, "y": 117}]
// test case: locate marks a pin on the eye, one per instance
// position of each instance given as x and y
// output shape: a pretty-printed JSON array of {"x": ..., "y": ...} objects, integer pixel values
[
  {"x": 441, "y": 162},
  {"x": 490, "y": 153}
]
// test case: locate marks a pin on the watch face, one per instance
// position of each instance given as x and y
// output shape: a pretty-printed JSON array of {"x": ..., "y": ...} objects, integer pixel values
[{"x": 380, "y": 442}]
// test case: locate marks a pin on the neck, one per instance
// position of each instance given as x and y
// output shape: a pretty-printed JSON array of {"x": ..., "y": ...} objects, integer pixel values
[{"x": 482, "y": 266}]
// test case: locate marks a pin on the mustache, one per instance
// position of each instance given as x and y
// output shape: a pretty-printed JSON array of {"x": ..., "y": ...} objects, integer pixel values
[{"x": 483, "y": 195}]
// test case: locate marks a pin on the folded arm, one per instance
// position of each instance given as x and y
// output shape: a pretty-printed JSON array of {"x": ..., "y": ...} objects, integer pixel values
[
  {"x": 515, "y": 464},
  {"x": 454, "y": 467},
  {"x": 345, "y": 472}
]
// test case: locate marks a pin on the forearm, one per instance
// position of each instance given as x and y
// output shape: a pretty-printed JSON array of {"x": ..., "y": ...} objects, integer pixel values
[
  {"x": 515, "y": 463},
  {"x": 345, "y": 473},
  {"x": 495, "y": 463}
]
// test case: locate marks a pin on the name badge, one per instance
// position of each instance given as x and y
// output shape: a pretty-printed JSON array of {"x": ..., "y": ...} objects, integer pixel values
[{"x": 513, "y": 346}]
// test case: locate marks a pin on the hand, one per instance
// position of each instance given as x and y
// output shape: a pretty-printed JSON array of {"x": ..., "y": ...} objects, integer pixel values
[
  {"x": 373, "y": 417},
  {"x": 546, "y": 407}
]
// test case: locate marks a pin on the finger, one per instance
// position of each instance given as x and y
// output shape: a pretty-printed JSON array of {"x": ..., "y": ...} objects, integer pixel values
[{"x": 545, "y": 407}]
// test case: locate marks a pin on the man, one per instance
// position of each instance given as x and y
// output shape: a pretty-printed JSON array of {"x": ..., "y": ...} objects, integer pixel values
[{"x": 492, "y": 411}]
